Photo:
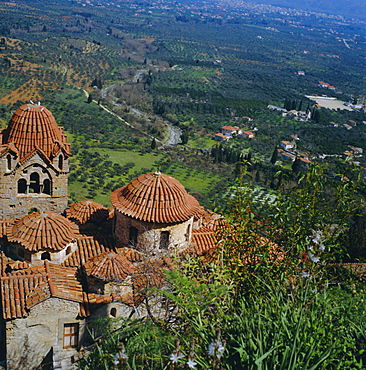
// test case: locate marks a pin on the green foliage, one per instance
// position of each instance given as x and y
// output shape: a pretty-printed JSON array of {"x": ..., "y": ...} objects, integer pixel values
[{"x": 254, "y": 304}]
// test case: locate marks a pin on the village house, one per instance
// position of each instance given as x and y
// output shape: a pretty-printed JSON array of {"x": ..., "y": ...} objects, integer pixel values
[
  {"x": 288, "y": 156},
  {"x": 355, "y": 150},
  {"x": 286, "y": 145},
  {"x": 230, "y": 130},
  {"x": 323, "y": 84},
  {"x": 221, "y": 137},
  {"x": 63, "y": 266},
  {"x": 333, "y": 124},
  {"x": 247, "y": 135}
]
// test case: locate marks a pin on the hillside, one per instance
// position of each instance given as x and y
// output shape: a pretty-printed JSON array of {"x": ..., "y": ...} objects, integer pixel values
[
  {"x": 183, "y": 70},
  {"x": 346, "y": 8}
]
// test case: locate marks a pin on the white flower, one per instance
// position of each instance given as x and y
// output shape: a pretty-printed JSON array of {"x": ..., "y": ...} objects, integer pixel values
[
  {"x": 304, "y": 274},
  {"x": 211, "y": 349},
  {"x": 175, "y": 357},
  {"x": 220, "y": 349},
  {"x": 191, "y": 363},
  {"x": 313, "y": 258},
  {"x": 121, "y": 355},
  {"x": 216, "y": 348}
]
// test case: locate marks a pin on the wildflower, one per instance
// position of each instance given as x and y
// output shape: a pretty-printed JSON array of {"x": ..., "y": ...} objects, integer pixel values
[
  {"x": 120, "y": 357},
  {"x": 220, "y": 349},
  {"x": 211, "y": 349},
  {"x": 216, "y": 348},
  {"x": 175, "y": 357},
  {"x": 313, "y": 258},
  {"x": 191, "y": 363}
]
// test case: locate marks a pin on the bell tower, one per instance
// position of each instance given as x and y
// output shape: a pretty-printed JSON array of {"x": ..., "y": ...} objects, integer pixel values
[{"x": 33, "y": 163}]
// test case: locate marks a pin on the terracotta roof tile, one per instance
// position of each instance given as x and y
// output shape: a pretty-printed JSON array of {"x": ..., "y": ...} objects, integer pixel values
[
  {"x": 109, "y": 266},
  {"x": 203, "y": 241},
  {"x": 109, "y": 298},
  {"x": 34, "y": 126},
  {"x": 3, "y": 226},
  {"x": 155, "y": 197},
  {"x": 87, "y": 248},
  {"x": 24, "y": 289},
  {"x": 86, "y": 210},
  {"x": 42, "y": 231}
]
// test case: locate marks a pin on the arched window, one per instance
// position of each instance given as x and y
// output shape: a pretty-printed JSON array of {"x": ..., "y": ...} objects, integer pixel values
[
  {"x": 45, "y": 256},
  {"x": 22, "y": 186},
  {"x": 164, "y": 239},
  {"x": 60, "y": 162},
  {"x": 68, "y": 250},
  {"x": 46, "y": 187},
  {"x": 33, "y": 210},
  {"x": 34, "y": 183},
  {"x": 113, "y": 312},
  {"x": 8, "y": 162},
  {"x": 132, "y": 238},
  {"x": 188, "y": 232}
]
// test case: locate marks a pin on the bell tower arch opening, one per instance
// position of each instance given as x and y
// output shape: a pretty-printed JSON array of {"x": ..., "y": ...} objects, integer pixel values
[{"x": 35, "y": 166}]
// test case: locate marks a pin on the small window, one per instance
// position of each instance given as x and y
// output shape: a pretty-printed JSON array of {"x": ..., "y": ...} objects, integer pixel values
[
  {"x": 188, "y": 232},
  {"x": 45, "y": 256},
  {"x": 32, "y": 210},
  {"x": 164, "y": 239},
  {"x": 34, "y": 183},
  {"x": 22, "y": 186},
  {"x": 46, "y": 187},
  {"x": 71, "y": 335},
  {"x": 60, "y": 162},
  {"x": 113, "y": 312},
  {"x": 68, "y": 250},
  {"x": 8, "y": 162},
  {"x": 132, "y": 239}
]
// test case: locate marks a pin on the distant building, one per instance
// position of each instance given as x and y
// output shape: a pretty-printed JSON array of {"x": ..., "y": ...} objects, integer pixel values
[
  {"x": 247, "y": 134},
  {"x": 230, "y": 130},
  {"x": 301, "y": 73},
  {"x": 288, "y": 156},
  {"x": 286, "y": 145},
  {"x": 221, "y": 137},
  {"x": 355, "y": 150}
]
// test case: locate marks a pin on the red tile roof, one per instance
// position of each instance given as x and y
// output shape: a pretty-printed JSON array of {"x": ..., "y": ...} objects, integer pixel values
[
  {"x": 24, "y": 289},
  {"x": 203, "y": 241},
  {"x": 87, "y": 248},
  {"x": 42, "y": 231},
  {"x": 86, "y": 210},
  {"x": 109, "y": 266},
  {"x": 33, "y": 126},
  {"x": 155, "y": 197}
]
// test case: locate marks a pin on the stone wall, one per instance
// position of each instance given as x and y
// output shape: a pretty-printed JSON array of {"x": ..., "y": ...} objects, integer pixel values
[
  {"x": 149, "y": 234},
  {"x": 29, "y": 340},
  {"x": 15, "y": 204}
]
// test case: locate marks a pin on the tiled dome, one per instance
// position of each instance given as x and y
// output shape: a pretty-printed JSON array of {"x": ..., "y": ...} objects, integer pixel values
[
  {"x": 42, "y": 231},
  {"x": 155, "y": 197},
  {"x": 32, "y": 126},
  {"x": 109, "y": 266},
  {"x": 86, "y": 210}
]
